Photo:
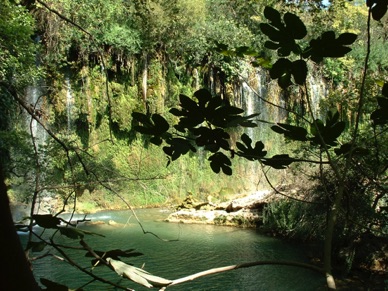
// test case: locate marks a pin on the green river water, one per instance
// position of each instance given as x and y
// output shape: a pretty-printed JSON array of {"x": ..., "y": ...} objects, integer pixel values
[{"x": 192, "y": 248}]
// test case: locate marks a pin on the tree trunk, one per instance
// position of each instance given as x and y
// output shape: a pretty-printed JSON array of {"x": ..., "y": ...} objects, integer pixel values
[{"x": 16, "y": 273}]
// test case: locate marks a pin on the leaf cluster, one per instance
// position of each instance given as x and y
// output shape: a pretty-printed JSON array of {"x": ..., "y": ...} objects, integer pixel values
[
  {"x": 203, "y": 121},
  {"x": 285, "y": 36},
  {"x": 380, "y": 115},
  {"x": 321, "y": 134}
]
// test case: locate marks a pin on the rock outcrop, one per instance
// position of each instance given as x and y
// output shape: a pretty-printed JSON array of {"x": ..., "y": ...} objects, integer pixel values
[{"x": 244, "y": 212}]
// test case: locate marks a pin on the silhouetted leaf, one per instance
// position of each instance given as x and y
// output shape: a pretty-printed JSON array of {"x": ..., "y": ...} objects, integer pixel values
[
  {"x": 156, "y": 140},
  {"x": 283, "y": 34},
  {"x": 271, "y": 45},
  {"x": 155, "y": 125},
  {"x": 279, "y": 161},
  {"x": 273, "y": 15},
  {"x": 223, "y": 116},
  {"x": 329, "y": 132},
  {"x": 281, "y": 70},
  {"x": 299, "y": 71},
  {"x": 161, "y": 125},
  {"x": 46, "y": 220},
  {"x": 385, "y": 90},
  {"x": 71, "y": 232},
  {"x": 246, "y": 139},
  {"x": 271, "y": 32},
  {"x": 141, "y": 117},
  {"x": 347, "y": 38},
  {"x": 291, "y": 132},
  {"x": 247, "y": 151},
  {"x": 244, "y": 121},
  {"x": 187, "y": 103},
  {"x": 212, "y": 139},
  {"x": 345, "y": 150},
  {"x": 220, "y": 161},
  {"x": 178, "y": 147},
  {"x": 203, "y": 96},
  {"x": 295, "y": 26},
  {"x": 378, "y": 8},
  {"x": 380, "y": 115},
  {"x": 327, "y": 45},
  {"x": 176, "y": 112}
]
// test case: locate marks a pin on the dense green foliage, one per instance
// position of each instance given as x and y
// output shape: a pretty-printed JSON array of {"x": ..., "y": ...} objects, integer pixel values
[{"x": 106, "y": 72}]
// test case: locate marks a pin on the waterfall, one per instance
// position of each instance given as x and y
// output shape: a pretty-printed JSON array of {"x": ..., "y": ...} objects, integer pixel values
[
  {"x": 317, "y": 92},
  {"x": 69, "y": 103},
  {"x": 254, "y": 90},
  {"x": 253, "y": 93},
  {"x": 34, "y": 99}
]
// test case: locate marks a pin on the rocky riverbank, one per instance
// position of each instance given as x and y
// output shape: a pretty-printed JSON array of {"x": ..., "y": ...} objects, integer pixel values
[{"x": 242, "y": 211}]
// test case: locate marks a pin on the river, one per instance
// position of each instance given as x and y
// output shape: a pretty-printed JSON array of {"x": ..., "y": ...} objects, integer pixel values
[{"x": 192, "y": 248}]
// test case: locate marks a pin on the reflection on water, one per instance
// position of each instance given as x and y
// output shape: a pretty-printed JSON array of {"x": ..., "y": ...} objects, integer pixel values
[{"x": 193, "y": 248}]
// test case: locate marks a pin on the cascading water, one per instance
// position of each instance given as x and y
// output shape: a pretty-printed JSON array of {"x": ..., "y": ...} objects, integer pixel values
[
  {"x": 34, "y": 99},
  {"x": 69, "y": 103},
  {"x": 254, "y": 90},
  {"x": 261, "y": 95},
  {"x": 254, "y": 94},
  {"x": 317, "y": 91}
]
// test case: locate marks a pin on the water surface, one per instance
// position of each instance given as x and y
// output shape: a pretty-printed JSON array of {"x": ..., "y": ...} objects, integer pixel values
[{"x": 192, "y": 248}]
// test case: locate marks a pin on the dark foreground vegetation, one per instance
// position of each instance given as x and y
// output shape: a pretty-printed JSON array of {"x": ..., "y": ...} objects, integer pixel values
[{"x": 97, "y": 99}]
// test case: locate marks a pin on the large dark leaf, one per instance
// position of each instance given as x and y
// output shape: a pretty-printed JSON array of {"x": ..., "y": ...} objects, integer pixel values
[
  {"x": 329, "y": 132},
  {"x": 380, "y": 115},
  {"x": 295, "y": 26},
  {"x": 161, "y": 124},
  {"x": 278, "y": 161},
  {"x": 273, "y": 15},
  {"x": 187, "y": 103},
  {"x": 220, "y": 161},
  {"x": 299, "y": 71},
  {"x": 203, "y": 96},
  {"x": 178, "y": 147},
  {"x": 270, "y": 31},
  {"x": 281, "y": 70},
  {"x": 156, "y": 126},
  {"x": 212, "y": 139},
  {"x": 244, "y": 121},
  {"x": 378, "y": 8},
  {"x": 283, "y": 34},
  {"x": 292, "y": 132},
  {"x": 385, "y": 90},
  {"x": 46, "y": 220},
  {"x": 327, "y": 45},
  {"x": 247, "y": 151},
  {"x": 347, "y": 147}
]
